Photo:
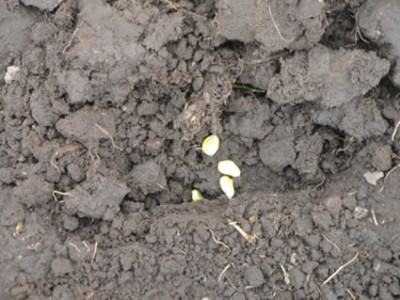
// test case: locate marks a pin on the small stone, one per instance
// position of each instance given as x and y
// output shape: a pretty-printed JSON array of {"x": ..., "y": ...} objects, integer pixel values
[
  {"x": 350, "y": 202},
  {"x": 75, "y": 172},
  {"x": 197, "y": 84},
  {"x": 360, "y": 212},
  {"x": 49, "y": 5},
  {"x": 70, "y": 223},
  {"x": 62, "y": 292},
  {"x": 146, "y": 109},
  {"x": 254, "y": 276},
  {"x": 61, "y": 266},
  {"x": 333, "y": 204},
  {"x": 394, "y": 289},
  {"x": 373, "y": 177},
  {"x": 6, "y": 176},
  {"x": 297, "y": 278},
  {"x": 12, "y": 72}
]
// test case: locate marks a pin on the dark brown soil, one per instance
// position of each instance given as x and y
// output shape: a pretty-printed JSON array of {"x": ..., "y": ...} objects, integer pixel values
[{"x": 103, "y": 108}]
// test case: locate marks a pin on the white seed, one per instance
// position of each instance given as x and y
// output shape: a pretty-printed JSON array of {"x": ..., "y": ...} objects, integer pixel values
[
  {"x": 210, "y": 145},
  {"x": 226, "y": 184},
  {"x": 196, "y": 195},
  {"x": 228, "y": 167}
]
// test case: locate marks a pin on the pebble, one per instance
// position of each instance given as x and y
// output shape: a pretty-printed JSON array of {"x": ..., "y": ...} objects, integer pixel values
[
  {"x": 254, "y": 276},
  {"x": 333, "y": 204},
  {"x": 350, "y": 202},
  {"x": 297, "y": 278},
  {"x": 360, "y": 212},
  {"x": 373, "y": 177}
]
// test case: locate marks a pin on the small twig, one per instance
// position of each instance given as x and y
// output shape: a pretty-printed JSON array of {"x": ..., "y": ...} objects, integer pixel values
[
  {"x": 103, "y": 130},
  {"x": 95, "y": 251},
  {"x": 395, "y": 131},
  {"x": 90, "y": 296},
  {"x": 251, "y": 239},
  {"x": 223, "y": 272},
  {"x": 331, "y": 242},
  {"x": 276, "y": 26},
  {"x": 340, "y": 268},
  {"x": 216, "y": 240},
  {"x": 374, "y": 218}
]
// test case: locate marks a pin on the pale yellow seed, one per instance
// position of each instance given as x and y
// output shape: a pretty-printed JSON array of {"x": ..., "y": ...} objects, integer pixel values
[
  {"x": 196, "y": 195},
  {"x": 226, "y": 184},
  {"x": 210, "y": 145},
  {"x": 228, "y": 167}
]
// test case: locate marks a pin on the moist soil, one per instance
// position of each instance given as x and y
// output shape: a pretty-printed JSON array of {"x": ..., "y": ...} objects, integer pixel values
[{"x": 103, "y": 109}]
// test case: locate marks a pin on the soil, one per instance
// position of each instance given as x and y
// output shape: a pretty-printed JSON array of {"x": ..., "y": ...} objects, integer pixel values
[{"x": 103, "y": 109}]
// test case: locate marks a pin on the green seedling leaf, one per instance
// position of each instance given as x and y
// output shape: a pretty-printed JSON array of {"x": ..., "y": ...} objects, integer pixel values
[
  {"x": 285, "y": 276},
  {"x": 243, "y": 87}
]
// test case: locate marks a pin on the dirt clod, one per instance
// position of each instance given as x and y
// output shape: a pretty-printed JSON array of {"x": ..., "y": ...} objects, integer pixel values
[{"x": 102, "y": 117}]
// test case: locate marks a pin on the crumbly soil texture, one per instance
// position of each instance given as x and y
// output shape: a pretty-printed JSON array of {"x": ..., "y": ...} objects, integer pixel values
[{"x": 104, "y": 105}]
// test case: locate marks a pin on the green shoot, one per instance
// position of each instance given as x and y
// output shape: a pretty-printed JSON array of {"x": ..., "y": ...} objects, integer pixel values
[
  {"x": 238, "y": 86},
  {"x": 286, "y": 276}
]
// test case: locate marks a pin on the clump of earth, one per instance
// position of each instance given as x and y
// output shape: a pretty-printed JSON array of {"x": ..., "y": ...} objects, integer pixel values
[{"x": 104, "y": 106}]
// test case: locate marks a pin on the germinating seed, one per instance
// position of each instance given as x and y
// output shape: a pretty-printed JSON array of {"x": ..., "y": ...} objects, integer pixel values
[
  {"x": 228, "y": 167},
  {"x": 210, "y": 145},
  {"x": 196, "y": 195},
  {"x": 226, "y": 184}
]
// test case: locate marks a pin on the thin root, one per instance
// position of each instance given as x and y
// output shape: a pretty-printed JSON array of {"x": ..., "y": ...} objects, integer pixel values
[
  {"x": 374, "y": 218},
  {"x": 75, "y": 247},
  {"x": 94, "y": 157},
  {"x": 251, "y": 239},
  {"x": 223, "y": 272},
  {"x": 340, "y": 268},
  {"x": 216, "y": 240},
  {"x": 231, "y": 283},
  {"x": 276, "y": 26},
  {"x": 61, "y": 151},
  {"x": 87, "y": 246},
  {"x": 331, "y": 242},
  {"x": 176, "y": 7},
  {"x": 320, "y": 184},
  {"x": 55, "y": 192},
  {"x": 350, "y": 293},
  {"x": 387, "y": 175},
  {"x": 71, "y": 39},
  {"x": 395, "y": 131},
  {"x": 103, "y": 130}
]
